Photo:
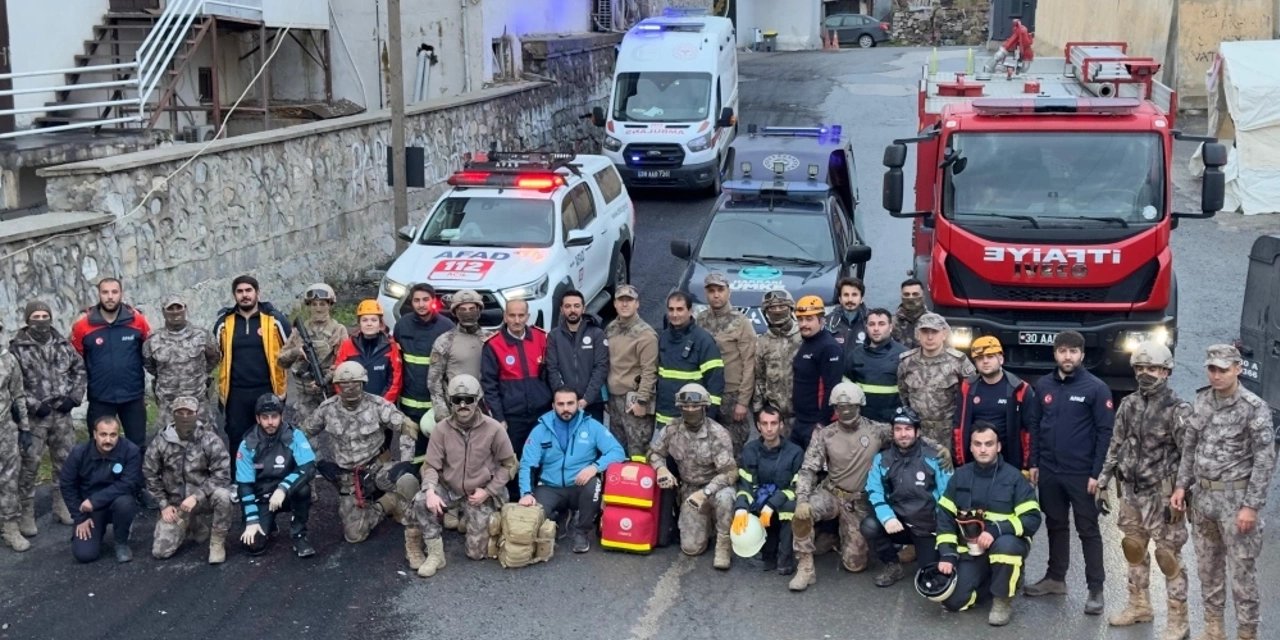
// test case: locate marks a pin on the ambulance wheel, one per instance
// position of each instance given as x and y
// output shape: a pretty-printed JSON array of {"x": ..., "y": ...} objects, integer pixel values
[
  {"x": 717, "y": 179},
  {"x": 866, "y": 41}
]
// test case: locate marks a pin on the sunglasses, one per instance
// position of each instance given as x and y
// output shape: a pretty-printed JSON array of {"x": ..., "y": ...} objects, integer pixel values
[
  {"x": 464, "y": 401},
  {"x": 691, "y": 398}
]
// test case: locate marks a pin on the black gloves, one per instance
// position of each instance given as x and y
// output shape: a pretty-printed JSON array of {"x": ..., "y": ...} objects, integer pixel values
[{"x": 24, "y": 440}]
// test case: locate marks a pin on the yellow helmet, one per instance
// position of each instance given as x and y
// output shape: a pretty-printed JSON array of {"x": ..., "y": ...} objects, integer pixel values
[
  {"x": 810, "y": 306},
  {"x": 985, "y": 346},
  {"x": 368, "y": 308}
]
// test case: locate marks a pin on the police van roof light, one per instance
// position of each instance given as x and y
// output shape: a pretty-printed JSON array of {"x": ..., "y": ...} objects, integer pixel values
[
  {"x": 813, "y": 171},
  {"x": 746, "y": 169}
]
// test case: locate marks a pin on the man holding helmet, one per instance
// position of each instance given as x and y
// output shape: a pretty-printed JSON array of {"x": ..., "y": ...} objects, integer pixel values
[
  {"x": 274, "y": 468},
  {"x": 1143, "y": 459},
  {"x": 775, "y": 352},
  {"x": 703, "y": 453},
  {"x": 459, "y": 350},
  {"x": 986, "y": 518},
  {"x": 766, "y": 488}
]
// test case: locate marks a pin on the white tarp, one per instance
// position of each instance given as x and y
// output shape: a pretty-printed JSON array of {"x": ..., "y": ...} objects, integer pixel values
[{"x": 1244, "y": 81}]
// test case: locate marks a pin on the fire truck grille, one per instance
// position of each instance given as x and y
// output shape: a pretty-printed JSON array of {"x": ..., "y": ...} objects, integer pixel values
[{"x": 1038, "y": 294}]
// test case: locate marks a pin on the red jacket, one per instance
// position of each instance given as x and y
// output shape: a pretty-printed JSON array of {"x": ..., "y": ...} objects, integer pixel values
[
  {"x": 112, "y": 353},
  {"x": 381, "y": 360}
]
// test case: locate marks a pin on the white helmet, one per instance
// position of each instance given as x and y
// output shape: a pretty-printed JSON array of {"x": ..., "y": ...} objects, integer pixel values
[
  {"x": 428, "y": 422},
  {"x": 748, "y": 543}
]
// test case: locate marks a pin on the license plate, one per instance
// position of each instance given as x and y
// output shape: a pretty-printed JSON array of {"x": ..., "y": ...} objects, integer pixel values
[
  {"x": 654, "y": 173},
  {"x": 1037, "y": 338}
]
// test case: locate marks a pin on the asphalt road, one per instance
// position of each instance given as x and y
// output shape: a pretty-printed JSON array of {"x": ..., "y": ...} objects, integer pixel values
[{"x": 366, "y": 590}]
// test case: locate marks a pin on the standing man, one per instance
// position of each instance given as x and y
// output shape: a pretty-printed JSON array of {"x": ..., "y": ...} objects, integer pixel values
[
  {"x": 274, "y": 468},
  {"x": 1228, "y": 458},
  {"x": 54, "y": 381},
  {"x": 767, "y": 488},
  {"x": 416, "y": 332},
  {"x": 817, "y": 369},
  {"x": 578, "y": 354},
  {"x": 109, "y": 336},
  {"x": 633, "y": 373},
  {"x": 775, "y": 352},
  {"x": 1076, "y": 418},
  {"x": 686, "y": 354},
  {"x": 459, "y": 350},
  {"x": 909, "y": 312},
  {"x": 15, "y": 441},
  {"x": 1143, "y": 461},
  {"x": 873, "y": 366},
  {"x": 373, "y": 347},
  {"x": 98, "y": 483},
  {"x": 514, "y": 378},
  {"x": 326, "y": 335},
  {"x": 251, "y": 336},
  {"x": 929, "y": 377},
  {"x": 188, "y": 471},
  {"x": 703, "y": 454},
  {"x": 1001, "y": 399},
  {"x": 570, "y": 450},
  {"x": 180, "y": 358},
  {"x": 848, "y": 322},
  {"x": 736, "y": 339}
]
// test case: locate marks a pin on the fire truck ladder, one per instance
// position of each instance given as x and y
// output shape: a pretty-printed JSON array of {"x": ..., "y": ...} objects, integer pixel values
[{"x": 1102, "y": 66}]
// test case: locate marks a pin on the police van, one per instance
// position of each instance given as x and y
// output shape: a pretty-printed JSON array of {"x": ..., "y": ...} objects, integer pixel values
[
  {"x": 1259, "y": 342},
  {"x": 670, "y": 118},
  {"x": 525, "y": 225}
]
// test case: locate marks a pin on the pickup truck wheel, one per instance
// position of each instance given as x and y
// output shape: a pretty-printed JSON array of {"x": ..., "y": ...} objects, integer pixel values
[{"x": 621, "y": 273}]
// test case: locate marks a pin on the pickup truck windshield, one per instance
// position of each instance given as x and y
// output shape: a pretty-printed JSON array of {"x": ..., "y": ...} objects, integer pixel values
[
  {"x": 660, "y": 96},
  {"x": 1047, "y": 179},
  {"x": 490, "y": 222}
]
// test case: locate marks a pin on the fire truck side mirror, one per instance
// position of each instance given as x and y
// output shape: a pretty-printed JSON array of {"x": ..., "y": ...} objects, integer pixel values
[
  {"x": 1214, "y": 154},
  {"x": 1213, "y": 183},
  {"x": 895, "y": 156}
]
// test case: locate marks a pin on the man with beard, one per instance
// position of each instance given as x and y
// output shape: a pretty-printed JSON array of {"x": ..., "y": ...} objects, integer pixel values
[
  {"x": 109, "y": 336},
  {"x": 416, "y": 332},
  {"x": 817, "y": 370},
  {"x": 180, "y": 358},
  {"x": 326, "y": 335},
  {"x": 274, "y": 468},
  {"x": 873, "y": 366},
  {"x": 188, "y": 470},
  {"x": 1076, "y": 418},
  {"x": 1000, "y": 398},
  {"x": 736, "y": 339},
  {"x": 1143, "y": 460},
  {"x": 909, "y": 312},
  {"x": 686, "y": 353},
  {"x": 775, "y": 352},
  {"x": 458, "y": 351},
  {"x": 633, "y": 373},
  {"x": 578, "y": 354},
  {"x": 848, "y": 321},
  {"x": 54, "y": 380},
  {"x": 703, "y": 454},
  {"x": 15, "y": 438},
  {"x": 514, "y": 378},
  {"x": 467, "y": 467},
  {"x": 98, "y": 483},
  {"x": 766, "y": 488},
  {"x": 368, "y": 487},
  {"x": 250, "y": 335},
  {"x": 929, "y": 377}
]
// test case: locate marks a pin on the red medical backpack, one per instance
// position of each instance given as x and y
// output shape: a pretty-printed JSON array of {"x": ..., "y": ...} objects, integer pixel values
[{"x": 630, "y": 519}]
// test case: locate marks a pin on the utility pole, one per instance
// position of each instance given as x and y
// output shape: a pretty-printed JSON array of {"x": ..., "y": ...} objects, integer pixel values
[{"x": 398, "y": 174}]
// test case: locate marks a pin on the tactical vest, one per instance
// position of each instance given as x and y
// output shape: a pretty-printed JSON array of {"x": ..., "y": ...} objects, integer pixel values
[
  {"x": 909, "y": 484},
  {"x": 272, "y": 458}
]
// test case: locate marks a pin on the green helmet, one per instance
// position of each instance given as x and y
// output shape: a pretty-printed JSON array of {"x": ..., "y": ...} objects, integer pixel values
[
  {"x": 848, "y": 393},
  {"x": 1152, "y": 354},
  {"x": 350, "y": 371}
]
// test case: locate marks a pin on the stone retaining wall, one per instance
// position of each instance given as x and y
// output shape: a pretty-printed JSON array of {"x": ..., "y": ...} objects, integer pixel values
[{"x": 942, "y": 23}]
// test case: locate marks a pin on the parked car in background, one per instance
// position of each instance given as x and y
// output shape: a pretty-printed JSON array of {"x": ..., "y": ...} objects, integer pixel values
[{"x": 857, "y": 29}]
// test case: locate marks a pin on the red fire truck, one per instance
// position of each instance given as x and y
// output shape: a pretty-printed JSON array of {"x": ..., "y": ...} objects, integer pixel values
[{"x": 1044, "y": 201}]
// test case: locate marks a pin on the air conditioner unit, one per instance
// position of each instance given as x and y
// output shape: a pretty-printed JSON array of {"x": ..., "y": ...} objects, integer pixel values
[{"x": 202, "y": 133}]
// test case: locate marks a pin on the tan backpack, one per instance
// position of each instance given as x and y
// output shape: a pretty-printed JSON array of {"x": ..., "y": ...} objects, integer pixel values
[{"x": 525, "y": 537}]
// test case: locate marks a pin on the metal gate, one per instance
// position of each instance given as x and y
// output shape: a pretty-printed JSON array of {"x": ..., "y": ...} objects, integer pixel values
[{"x": 1004, "y": 11}]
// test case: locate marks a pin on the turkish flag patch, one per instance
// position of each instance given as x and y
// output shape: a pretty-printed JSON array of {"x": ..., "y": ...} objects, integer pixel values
[{"x": 1109, "y": 405}]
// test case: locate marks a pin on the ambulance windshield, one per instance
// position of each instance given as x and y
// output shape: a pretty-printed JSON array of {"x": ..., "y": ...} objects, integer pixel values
[
  {"x": 662, "y": 96},
  {"x": 490, "y": 222},
  {"x": 1054, "y": 179}
]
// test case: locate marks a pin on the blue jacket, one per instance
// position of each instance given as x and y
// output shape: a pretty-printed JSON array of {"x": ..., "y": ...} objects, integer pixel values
[
  {"x": 589, "y": 443},
  {"x": 907, "y": 485},
  {"x": 1076, "y": 418},
  {"x": 265, "y": 463},
  {"x": 89, "y": 475},
  {"x": 817, "y": 368}
]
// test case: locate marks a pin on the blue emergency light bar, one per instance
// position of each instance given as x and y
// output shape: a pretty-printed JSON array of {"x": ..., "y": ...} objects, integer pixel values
[
  {"x": 823, "y": 133},
  {"x": 683, "y": 12}
]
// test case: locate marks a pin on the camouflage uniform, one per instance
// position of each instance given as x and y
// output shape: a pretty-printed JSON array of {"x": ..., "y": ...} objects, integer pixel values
[
  {"x": 174, "y": 470},
  {"x": 454, "y": 353},
  {"x": 181, "y": 362},
  {"x": 326, "y": 337},
  {"x": 1143, "y": 460},
  {"x": 1228, "y": 456},
  {"x": 930, "y": 385},
  {"x": 51, "y": 371},
  {"x": 904, "y": 327},
  {"x": 705, "y": 460},
  {"x": 11, "y": 395},
  {"x": 775, "y": 351},
  {"x": 846, "y": 455},
  {"x": 736, "y": 339},
  {"x": 475, "y": 518},
  {"x": 357, "y": 436},
  {"x": 633, "y": 368}
]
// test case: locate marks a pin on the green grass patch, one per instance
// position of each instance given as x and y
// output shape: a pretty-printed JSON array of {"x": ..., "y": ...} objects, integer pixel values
[{"x": 45, "y": 472}]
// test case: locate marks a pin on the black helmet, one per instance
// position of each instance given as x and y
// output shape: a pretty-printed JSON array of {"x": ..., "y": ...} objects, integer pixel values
[
  {"x": 268, "y": 403},
  {"x": 934, "y": 584},
  {"x": 906, "y": 415}
]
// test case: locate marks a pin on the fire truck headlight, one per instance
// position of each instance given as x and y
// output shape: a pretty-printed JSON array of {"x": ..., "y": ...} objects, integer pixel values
[
  {"x": 1129, "y": 340},
  {"x": 961, "y": 337}
]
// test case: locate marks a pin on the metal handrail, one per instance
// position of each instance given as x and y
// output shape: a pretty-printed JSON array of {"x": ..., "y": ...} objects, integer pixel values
[{"x": 162, "y": 44}]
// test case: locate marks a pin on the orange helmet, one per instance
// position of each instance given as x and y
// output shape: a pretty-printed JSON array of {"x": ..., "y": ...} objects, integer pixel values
[
  {"x": 368, "y": 308},
  {"x": 810, "y": 306}
]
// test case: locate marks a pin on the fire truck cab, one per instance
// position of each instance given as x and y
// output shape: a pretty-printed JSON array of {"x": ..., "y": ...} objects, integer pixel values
[{"x": 1044, "y": 203}]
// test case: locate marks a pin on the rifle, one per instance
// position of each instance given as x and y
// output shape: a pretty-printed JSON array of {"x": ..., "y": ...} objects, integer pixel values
[{"x": 309, "y": 350}]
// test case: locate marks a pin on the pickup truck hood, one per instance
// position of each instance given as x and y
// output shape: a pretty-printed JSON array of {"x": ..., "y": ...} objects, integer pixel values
[{"x": 452, "y": 267}]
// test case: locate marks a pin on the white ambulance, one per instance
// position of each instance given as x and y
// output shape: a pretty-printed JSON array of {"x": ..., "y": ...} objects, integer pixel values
[{"x": 671, "y": 115}]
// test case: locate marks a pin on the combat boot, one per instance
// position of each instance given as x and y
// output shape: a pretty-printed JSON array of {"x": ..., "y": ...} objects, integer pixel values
[
  {"x": 1138, "y": 610},
  {"x": 1176, "y": 627},
  {"x": 907, "y": 554},
  {"x": 1244, "y": 632},
  {"x": 413, "y": 547},
  {"x": 217, "y": 548},
  {"x": 435, "y": 558},
  {"x": 723, "y": 547},
  {"x": 451, "y": 520},
  {"x": 804, "y": 572},
  {"x": 27, "y": 524},
  {"x": 1001, "y": 611},
  {"x": 891, "y": 574},
  {"x": 392, "y": 505},
  {"x": 13, "y": 537},
  {"x": 60, "y": 511},
  {"x": 1213, "y": 628}
]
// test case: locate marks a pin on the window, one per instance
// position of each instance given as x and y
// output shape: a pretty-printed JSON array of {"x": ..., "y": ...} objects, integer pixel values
[
  {"x": 839, "y": 221},
  {"x": 655, "y": 96},
  {"x": 610, "y": 183},
  {"x": 584, "y": 205},
  {"x": 568, "y": 215},
  {"x": 780, "y": 235},
  {"x": 490, "y": 222}
]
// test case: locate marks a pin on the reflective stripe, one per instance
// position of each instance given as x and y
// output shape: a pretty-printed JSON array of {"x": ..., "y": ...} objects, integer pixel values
[
  {"x": 715, "y": 400},
  {"x": 676, "y": 374},
  {"x": 415, "y": 404},
  {"x": 409, "y": 358},
  {"x": 630, "y": 502},
  {"x": 1028, "y": 506},
  {"x": 786, "y": 516},
  {"x": 1004, "y": 517},
  {"x": 1016, "y": 562},
  {"x": 663, "y": 420},
  {"x": 713, "y": 363},
  {"x": 945, "y": 538},
  {"x": 791, "y": 495},
  {"x": 742, "y": 473},
  {"x": 878, "y": 388},
  {"x": 973, "y": 597},
  {"x": 625, "y": 546},
  {"x": 947, "y": 504},
  {"x": 743, "y": 494}
]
